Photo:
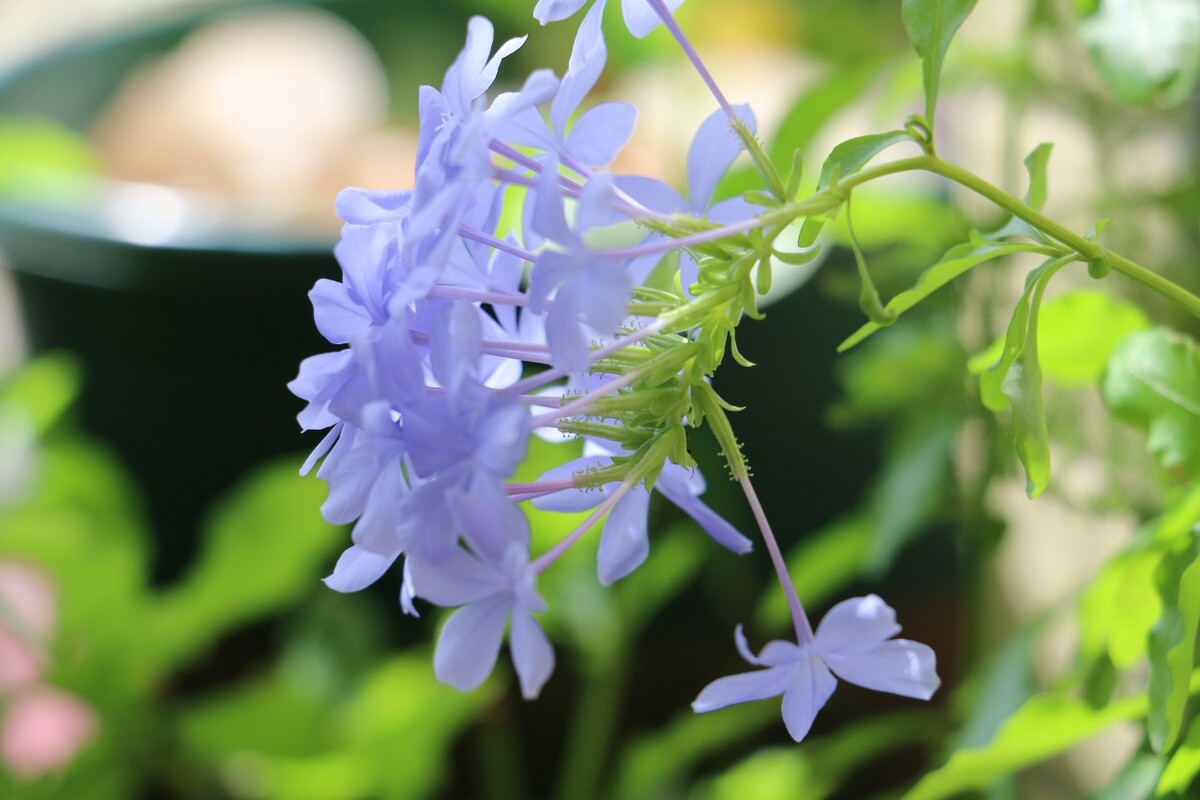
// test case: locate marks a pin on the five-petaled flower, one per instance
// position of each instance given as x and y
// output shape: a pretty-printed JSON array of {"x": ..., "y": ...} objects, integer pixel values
[{"x": 854, "y": 642}]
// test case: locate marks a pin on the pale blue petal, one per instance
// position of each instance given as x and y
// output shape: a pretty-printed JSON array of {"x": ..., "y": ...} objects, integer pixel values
[
  {"x": 743, "y": 647},
  {"x": 809, "y": 687},
  {"x": 369, "y": 206},
  {"x": 605, "y": 289},
  {"x": 469, "y": 643},
  {"x": 678, "y": 486},
  {"x": 742, "y": 688},
  {"x": 624, "y": 543},
  {"x": 588, "y": 55},
  {"x": 733, "y": 210},
  {"x": 652, "y": 193},
  {"x": 532, "y": 654},
  {"x": 350, "y": 477},
  {"x": 549, "y": 219},
  {"x": 458, "y": 579},
  {"x": 712, "y": 151},
  {"x": 897, "y": 666},
  {"x": 504, "y": 439},
  {"x": 598, "y": 135},
  {"x": 378, "y": 529},
  {"x": 358, "y": 568},
  {"x": 569, "y": 349},
  {"x": 490, "y": 522},
  {"x": 855, "y": 626},
  {"x": 338, "y": 315},
  {"x": 640, "y": 18},
  {"x": 554, "y": 10}
]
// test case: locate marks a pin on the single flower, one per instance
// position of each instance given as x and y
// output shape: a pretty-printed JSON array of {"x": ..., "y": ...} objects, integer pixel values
[{"x": 854, "y": 642}]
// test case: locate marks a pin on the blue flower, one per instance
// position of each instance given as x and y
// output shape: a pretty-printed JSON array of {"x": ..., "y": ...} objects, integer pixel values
[
  {"x": 599, "y": 133},
  {"x": 640, "y": 18},
  {"x": 491, "y": 585},
  {"x": 852, "y": 642}
]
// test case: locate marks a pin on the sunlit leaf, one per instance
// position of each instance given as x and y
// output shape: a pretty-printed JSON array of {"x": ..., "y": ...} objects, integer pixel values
[
  {"x": 1044, "y": 726},
  {"x": 1147, "y": 50},
  {"x": 1173, "y": 643},
  {"x": 1153, "y": 382},
  {"x": 957, "y": 261},
  {"x": 931, "y": 24},
  {"x": 1184, "y": 765},
  {"x": 1079, "y": 331}
]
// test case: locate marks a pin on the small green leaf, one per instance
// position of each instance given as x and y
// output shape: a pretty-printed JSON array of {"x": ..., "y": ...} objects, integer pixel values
[
  {"x": 1173, "y": 643},
  {"x": 1035, "y": 165},
  {"x": 957, "y": 261},
  {"x": 931, "y": 24},
  {"x": 271, "y": 519},
  {"x": 1153, "y": 382},
  {"x": 1147, "y": 50},
  {"x": 852, "y": 155},
  {"x": 845, "y": 159},
  {"x": 1022, "y": 384}
]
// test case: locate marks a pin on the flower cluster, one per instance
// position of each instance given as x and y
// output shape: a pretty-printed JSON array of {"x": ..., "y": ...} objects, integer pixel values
[{"x": 516, "y": 290}]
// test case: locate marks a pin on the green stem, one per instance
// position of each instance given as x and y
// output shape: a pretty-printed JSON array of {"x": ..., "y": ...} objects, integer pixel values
[{"x": 1088, "y": 249}]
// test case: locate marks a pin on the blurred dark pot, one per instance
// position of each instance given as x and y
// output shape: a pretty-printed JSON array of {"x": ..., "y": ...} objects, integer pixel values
[{"x": 187, "y": 329}]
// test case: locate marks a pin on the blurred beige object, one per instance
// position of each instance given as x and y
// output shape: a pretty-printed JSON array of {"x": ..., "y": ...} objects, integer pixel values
[{"x": 275, "y": 110}]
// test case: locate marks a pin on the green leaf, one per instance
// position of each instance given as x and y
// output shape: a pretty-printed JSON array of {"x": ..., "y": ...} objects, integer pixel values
[
  {"x": 264, "y": 549},
  {"x": 957, "y": 261},
  {"x": 850, "y": 156},
  {"x": 845, "y": 159},
  {"x": 991, "y": 382},
  {"x": 818, "y": 769},
  {"x": 1184, "y": 765},
  {"x": 1135, "y": 781},
  {"x": 1044, "y": 726},
  {"x": 1147, "y": 50},
  {"x": 1153, "y": 382},
  {"x": 45, "y": 389},
  {"x": 1173, "y": 643},
  {"x": 931, "y": 24},
  {"x": 999, "y": 689},
  {"x": 1079, "y": 331},
  {"x": 43, "y": 161},
  {"x": 907, "y": 494},
  {"x": 1119, "y": 608},
  {"x": 1022, "y": 384},
  {"x": 1035, "y": 165}
]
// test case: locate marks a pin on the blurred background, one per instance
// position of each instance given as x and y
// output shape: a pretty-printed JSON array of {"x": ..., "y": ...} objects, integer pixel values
[{"x": 167, "y": 175}]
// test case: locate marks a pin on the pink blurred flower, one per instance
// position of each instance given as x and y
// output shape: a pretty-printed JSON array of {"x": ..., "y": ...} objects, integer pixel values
[
  {"x": 43, "y": 730},
  {"x": 27, "y": 612}
]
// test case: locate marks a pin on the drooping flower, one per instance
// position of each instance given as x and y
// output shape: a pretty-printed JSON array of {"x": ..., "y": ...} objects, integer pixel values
[{"x": 852, "y": 642}]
